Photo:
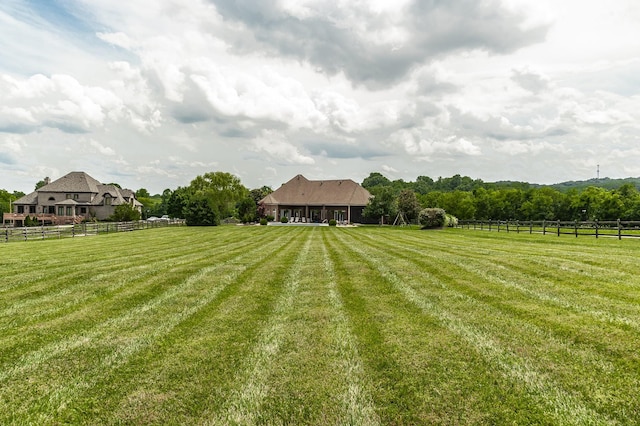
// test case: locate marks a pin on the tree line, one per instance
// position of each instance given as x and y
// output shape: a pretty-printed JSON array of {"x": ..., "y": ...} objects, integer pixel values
[
  {"x": 466, "y": 198},
  {"x": 216, "y": 196}
]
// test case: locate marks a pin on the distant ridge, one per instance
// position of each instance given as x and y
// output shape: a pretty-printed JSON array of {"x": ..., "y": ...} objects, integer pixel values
[{"x": 606, "y": 183}]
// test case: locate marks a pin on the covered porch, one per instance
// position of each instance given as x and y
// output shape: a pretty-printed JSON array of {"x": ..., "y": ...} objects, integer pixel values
[{"x": 313, "y": 213}]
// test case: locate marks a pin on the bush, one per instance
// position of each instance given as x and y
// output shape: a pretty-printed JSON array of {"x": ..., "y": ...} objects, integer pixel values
[
  {"x": 332, "y": 222},
  {"x": 125, "y": 213},
  {"x": 270, "y": 218},
  {"x": 432, "y": 218},
  {"x": 264, "y": 221},
  {"x": 284, "y": 220},
  {"x": 451, "y": 221}
]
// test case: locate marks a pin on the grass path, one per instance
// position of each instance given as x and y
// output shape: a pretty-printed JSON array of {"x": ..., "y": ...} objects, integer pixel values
[{"x": 295, "y": 325}]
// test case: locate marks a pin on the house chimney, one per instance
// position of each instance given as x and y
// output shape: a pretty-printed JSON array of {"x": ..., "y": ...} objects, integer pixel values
[{"x": 47, "y": 181}]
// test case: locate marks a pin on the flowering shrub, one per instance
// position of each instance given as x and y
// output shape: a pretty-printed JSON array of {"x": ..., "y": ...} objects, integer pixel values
[
  {"x": 451, "y": 221},
  {"x": 432, "y": 218}
]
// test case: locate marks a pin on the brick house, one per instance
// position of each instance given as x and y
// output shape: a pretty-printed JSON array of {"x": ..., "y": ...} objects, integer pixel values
[
  {"x": 303, "y": 200},
  {"x": 71, "y": 199}
]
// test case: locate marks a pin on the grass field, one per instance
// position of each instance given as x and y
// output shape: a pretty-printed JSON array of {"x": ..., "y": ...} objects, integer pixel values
[{"x": 298, "y": 325}]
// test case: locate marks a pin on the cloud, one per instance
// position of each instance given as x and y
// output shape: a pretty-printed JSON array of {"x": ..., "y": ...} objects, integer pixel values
[
  {"x": 376, "y": 48},
  {"x": 530, "y": 81},
  {"x": 279, "y": 149},
  {"x": 421, "y": 147},
  {"x": 102, "y": 150}
]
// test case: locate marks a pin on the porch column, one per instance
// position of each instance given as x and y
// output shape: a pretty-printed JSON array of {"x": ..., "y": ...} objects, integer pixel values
[{"x": 349, "y": 214}]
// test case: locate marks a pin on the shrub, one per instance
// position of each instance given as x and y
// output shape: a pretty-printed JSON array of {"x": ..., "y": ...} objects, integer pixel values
[
  {"x": 264, "y": 221},
  {"x": 270, "y": 218},
  {"x": 432, "y": 218},
  {"x": 332, "y": 222},
  {"x": 284, "y": 220},
  {"x": 451, "y": 221}
]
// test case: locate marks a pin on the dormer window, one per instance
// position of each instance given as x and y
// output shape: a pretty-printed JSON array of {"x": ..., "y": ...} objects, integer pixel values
[{"x": 107, "y": 200}]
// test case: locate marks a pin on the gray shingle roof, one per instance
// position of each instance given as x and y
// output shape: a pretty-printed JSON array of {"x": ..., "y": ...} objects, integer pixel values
[{"x": 73, "y": 182}]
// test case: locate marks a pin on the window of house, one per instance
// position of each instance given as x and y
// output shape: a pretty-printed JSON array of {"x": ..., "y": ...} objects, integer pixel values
[
  {"x": 68, "y": 196},
  {"x": 60, "y": 211},
  {"x": 69, "y": 211},
  {"x": 32, "y": 209},
  {"x": 107, "y": 200},
  {"x": 75, "y": 196},
  {"x": 20, "y": 209},
  {"x": 83, "y": 210}
]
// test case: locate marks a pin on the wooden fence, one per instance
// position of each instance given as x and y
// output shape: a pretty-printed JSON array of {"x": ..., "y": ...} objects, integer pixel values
[
  {"x": 595, "y": 228},
  {"x": 82, "y": 229}
]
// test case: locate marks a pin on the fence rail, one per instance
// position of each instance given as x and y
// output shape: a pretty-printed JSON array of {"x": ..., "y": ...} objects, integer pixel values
[
  {"x": 9, "y": 234},
  {"x": 618, "y": 228}
]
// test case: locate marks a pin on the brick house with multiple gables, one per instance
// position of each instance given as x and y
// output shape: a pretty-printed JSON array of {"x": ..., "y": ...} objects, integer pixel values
[
  {"x": 303, "y": 200},
  {"x": 71, "y": 199}
]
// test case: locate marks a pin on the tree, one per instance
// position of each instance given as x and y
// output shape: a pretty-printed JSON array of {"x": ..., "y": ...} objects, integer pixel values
[
  {"x": 41, "y": 183},
  {"x": 383, "y": 204},
  {"x": 222, "y": 190},
  {"x": 200, "y": 212},
  {"x": 375, "y": 179},
  {"x": 142, "y": 193},
  {"x": 178, "y": 202},
  {"x": 259, "y": 193},
  {"x": 247, "y": 210},
  {"x": 408, "y": 204},
  {"x": 143, "y": 196},
  {"x": 423, "y": 184},
  {"x": 459, "y": 204},
  {"x": 125, "y": 213},
  {"x": 540, "y": 204}
]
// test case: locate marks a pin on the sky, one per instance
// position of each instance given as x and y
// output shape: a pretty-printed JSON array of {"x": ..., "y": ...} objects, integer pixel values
[{"x": 151, "y": 94}]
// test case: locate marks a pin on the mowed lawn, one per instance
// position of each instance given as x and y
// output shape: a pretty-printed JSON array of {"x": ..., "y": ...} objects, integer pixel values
[{"x": 318, "y": 325}]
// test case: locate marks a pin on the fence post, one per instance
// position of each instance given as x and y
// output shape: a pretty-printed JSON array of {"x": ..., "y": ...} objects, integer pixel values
[
  {"x": 530, "y": 227},
  {"x": 596, "y": 228},
  {"x": 544, "y": 227},
  {"x": 558, "y": 228},
  {"x": 619, "y": 230},
  {"x": 6, "y": 235},
  {"x": 575, "y": 227}
]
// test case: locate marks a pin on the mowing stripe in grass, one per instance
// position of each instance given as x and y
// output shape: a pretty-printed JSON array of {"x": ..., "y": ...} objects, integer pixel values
[
  {"x": 102, "y": 279},
  {"x": 206, "y": 348},
  {"x": 82, "y": 320},
  {"x": 576, "y": 355},
  {"x": 356, "y": 399},
  {"x": 522, "y": 283},
  {"x": 62, "y": 395},
  {"x": 244, "y": 403},
  {"x": 563, "y": 407},
  {"x": 32, "y": 360}
]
